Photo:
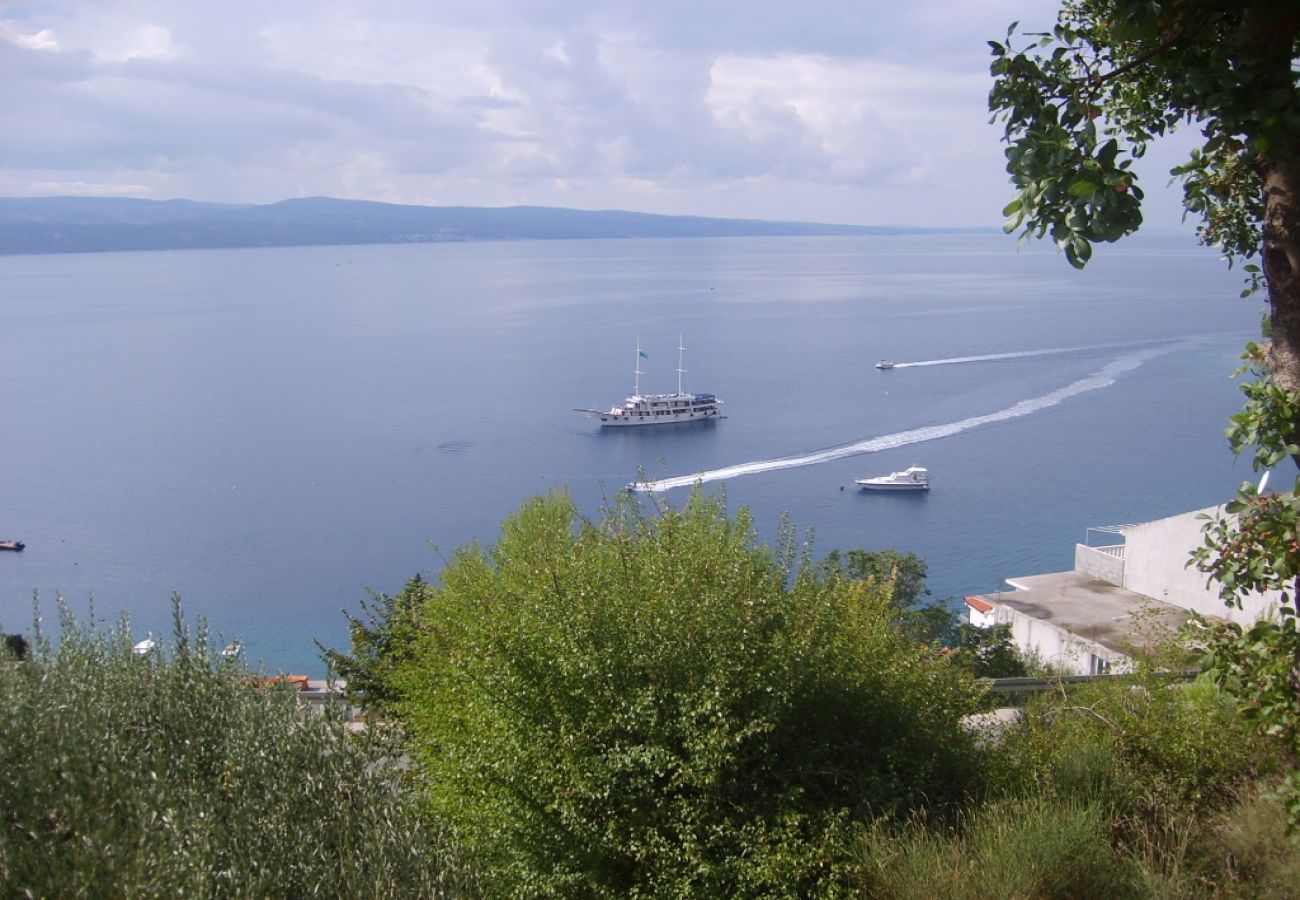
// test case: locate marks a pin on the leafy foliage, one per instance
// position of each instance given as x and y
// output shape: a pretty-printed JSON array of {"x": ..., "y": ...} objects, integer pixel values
[
  {"x": 1152, "y": 752},
  {"x": 1253, "y": 546},
  {"x": 1083, "y": 101},
  {"x": 983, "y": 652},
  {"x": 380, "y": 642},
  {"x": 901, "y": 576},
  {"x": 1016, "y": 847},
  {"x": 1256, "y": 663},
  {"x": 656, "y": 705},
  {"x": 174, "y": 774},
  {"x": 1079, "y": 105},
  {"x": 1270, "y": 421},
  {"x": 988, "y": 652}
]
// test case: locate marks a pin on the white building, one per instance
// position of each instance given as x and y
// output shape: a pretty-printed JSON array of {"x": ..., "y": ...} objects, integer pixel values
[{"x": 1117, "y": 599}]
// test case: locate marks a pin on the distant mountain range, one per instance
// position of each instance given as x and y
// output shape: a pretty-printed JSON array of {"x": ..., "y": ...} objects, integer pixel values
[{"x": 87, "y": 224}]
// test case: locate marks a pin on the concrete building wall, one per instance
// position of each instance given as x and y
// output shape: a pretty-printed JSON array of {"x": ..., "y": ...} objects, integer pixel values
[
  {"x": 1155, "y": 560},
  {"x": 1102, "y": 563},
  {"x": 1058, "y": 648}
]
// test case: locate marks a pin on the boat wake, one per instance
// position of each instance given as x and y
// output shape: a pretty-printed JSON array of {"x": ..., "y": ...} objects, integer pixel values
[
  {"x": 1023, "y": 354},
  {"x": 1103, "y": 377}
]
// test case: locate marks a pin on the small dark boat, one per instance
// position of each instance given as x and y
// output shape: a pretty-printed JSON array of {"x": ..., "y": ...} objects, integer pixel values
[{"x": 12, "y": 545}]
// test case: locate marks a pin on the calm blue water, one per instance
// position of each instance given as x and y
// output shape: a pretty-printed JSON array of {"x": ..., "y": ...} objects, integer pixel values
[{"x": 271, "y": 431}]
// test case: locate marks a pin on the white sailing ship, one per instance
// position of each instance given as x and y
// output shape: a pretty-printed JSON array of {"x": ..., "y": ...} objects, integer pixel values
[{"x": 658, "y": 409}]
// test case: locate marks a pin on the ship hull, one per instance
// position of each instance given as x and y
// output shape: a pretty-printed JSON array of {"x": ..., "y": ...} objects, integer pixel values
[{"x": 623, "y": 420}]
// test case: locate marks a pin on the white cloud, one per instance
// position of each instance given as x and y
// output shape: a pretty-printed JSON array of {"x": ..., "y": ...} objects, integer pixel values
[
  {"x": 852, "y": 112},
  {"x": 88, "y": 189},
  {"x": 147, "y": 42},
  {"x": 39, "y": 40}
]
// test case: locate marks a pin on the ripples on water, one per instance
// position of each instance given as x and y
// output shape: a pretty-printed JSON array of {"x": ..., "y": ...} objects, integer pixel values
[{"x": 272, "y": 431}]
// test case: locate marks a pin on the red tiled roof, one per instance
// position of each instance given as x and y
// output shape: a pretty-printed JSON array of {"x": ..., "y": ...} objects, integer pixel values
[{"x": 982, "y": 605}]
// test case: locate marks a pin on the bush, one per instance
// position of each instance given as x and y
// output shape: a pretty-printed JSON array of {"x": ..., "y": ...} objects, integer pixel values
[
  {"x": 173, "y": 773},
  {"x": 1244, "y": 850},
  {"x": 1021, "y": 847},
  {"x": 1156, "y": 753},
  {"x": 380, "y": 642},
  {"x": 983, "y": 652},
  {"x": 657, "y": 706}
]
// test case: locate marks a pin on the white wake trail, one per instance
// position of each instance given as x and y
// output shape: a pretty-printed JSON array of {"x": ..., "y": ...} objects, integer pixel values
[
  {"x": 1101, "y": 378},
  {"x": 1022, "y": 354}
]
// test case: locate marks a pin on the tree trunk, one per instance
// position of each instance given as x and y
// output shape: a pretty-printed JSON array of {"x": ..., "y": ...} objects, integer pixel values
[
  {"x": 1269, "y": 31},
  {"x": 1282, "y": 269}
]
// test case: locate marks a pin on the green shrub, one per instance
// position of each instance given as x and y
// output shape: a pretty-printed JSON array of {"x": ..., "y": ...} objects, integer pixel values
[
  {"x": 1156, "y": 752},
  {"x": 657, "y": 706},
  {"x": 1021, "y": 848},
  {"x": 1244, "y": 849},
  {"x": 379, "y": 643},
  {"x": 983, "y": 652},
  {"x": 173, "y": 773}
]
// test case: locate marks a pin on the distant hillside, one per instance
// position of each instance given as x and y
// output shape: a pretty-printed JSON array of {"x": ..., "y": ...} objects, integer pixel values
[{"x": 86, "y": 224}]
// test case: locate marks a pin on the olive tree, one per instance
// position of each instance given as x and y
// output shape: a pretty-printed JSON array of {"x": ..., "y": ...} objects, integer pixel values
[
  {"x": 1080, "y": 103},
  {"x": 178, "y": 772}
]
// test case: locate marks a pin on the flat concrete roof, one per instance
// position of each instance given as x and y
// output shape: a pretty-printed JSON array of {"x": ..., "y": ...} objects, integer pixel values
[{"x": 1118, "y": 619}]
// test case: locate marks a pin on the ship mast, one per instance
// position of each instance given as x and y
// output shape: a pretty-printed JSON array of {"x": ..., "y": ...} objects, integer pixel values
[
  {"x": 681, "y": 348},
  {"x": 636, "y": 387}
]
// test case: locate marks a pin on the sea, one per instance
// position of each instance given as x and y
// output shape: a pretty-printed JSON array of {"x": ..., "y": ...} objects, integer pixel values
[{"x": 274, "y": 433}]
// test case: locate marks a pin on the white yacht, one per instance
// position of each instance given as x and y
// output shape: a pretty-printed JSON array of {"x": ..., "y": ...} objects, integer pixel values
[
  {"x": 913, "y": 478},
  {"x": 658, "y": 409},
  {"x": 885, "y": 364}
]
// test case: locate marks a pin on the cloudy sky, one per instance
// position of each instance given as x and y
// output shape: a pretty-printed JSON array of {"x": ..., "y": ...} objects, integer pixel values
[{"x": 858, "y": 111}]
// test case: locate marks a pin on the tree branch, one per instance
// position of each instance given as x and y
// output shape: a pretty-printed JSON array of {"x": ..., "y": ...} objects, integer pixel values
[{"x": 1166, "y": 44}]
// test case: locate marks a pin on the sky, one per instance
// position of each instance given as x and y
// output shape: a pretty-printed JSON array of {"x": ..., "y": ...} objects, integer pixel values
[{"x": 868, "y": 112}]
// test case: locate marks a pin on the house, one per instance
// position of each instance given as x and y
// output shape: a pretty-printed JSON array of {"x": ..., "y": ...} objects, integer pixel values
[{"x": 1118, "y": 598}]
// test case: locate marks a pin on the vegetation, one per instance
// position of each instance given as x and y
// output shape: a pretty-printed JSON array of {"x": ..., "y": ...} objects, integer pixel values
[
  {"x": 1079, "y": 105},
  {"x": 657, "y": 706},
  {"x": 983, "y": 652},
  {"x": 624, "y": 707},
  {"x": 175, "y": 773},
  {"x": 1124, "y": 788},
  {"x": 640, "y": 706},
  {"x": 380, "y": 642}
]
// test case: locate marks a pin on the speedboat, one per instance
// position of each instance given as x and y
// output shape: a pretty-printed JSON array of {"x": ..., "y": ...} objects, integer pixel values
[
  {"x": 658, "y": 409},
  {"x": 16, "y": 546},
  {"x": 885, "y": 364},
  {"x": 913, "y": 478}
]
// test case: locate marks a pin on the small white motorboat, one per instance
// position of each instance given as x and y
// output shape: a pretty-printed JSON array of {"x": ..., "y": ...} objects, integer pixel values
[
  {"x": 885, "y": 364},
  {"x": 913, "y": 478}
]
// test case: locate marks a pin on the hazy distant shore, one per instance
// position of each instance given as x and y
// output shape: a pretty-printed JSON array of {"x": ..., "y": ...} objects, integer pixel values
[{"x": 92, "y": 224}]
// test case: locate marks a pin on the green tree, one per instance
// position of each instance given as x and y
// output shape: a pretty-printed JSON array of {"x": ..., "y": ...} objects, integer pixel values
[
  {"x": 177, "y": 773},
  {"x": 1080, "y": 104},
  {"x": 640, "y": 705},
  {"x": 904, "y": 573},
  {"x": 988, "y": 652},
  {"x": 380, "y": 638},
  {"x": 902, "y": 577},
  {"x": 983, "y": 652}
]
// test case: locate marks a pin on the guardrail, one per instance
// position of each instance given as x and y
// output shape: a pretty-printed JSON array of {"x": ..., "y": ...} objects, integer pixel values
[{"x": 1037, "y": 685}]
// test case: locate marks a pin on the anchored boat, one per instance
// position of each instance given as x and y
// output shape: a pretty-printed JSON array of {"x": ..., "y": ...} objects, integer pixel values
[
  {"x": 913, "y": 478},
  {"x": 658, "y": 409}
]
